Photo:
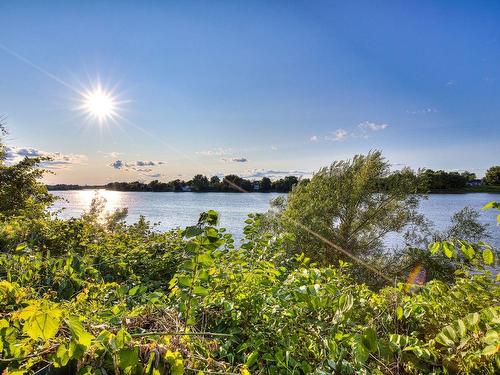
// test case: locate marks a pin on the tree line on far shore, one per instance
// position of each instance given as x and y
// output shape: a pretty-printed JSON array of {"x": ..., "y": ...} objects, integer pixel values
[
  {"x": 199, "y": 183},
  {"x": 433, "y": 181}
]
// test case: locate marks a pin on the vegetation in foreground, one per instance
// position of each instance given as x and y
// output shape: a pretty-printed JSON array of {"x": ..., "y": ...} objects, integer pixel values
[{"x": 93, "y": 295}]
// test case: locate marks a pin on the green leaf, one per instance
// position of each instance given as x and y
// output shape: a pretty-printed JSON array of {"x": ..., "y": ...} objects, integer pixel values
[
  {"x": 252, "y": 358},
  {"x": 128, "y": 357},
  {"x": 370, "y": 339},
  {"x": 77, "y": 331},
  {"x": 434, "y": 248},
  {"x": 490, "y": 350},
  {"x": 133, "y": 291},
  {"x": 192, "y": 231},
  {"x": 399, "y": 313},
  {"x": 488, "y": 205},
  {"x": 360, "y": 352},
  {"x": 122, "y": 338},
  {"x": 61, "y": 356},
  {"x": 491, "y": 337},
  {"x": 468, "y": 251},
  {"x": 460, "y": 327},
  {"x": 184, "y": 281},
  {"x": 444, "y": 340},
  {"x": 488, "y": 256},
  {"x": 447, "y": 336},
  {"x": 200, "y": 291},
  {"x": 212, "y": 233},
  {"x": 205, "y": 259},
  {"x": 472, "y": 319},
  {"x": 448, "y": 249},
  {"x": 21, "y": 246},
  {"x": 174, "y": 359},
  {"x": 42, "y": 322}
]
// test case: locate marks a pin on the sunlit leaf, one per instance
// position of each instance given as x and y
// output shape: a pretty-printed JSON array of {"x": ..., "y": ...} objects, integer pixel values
[{"x": 488, "y": 256}]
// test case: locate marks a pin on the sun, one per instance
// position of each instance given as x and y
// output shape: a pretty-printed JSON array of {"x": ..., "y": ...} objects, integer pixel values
[{"x": 99, "y": 104}]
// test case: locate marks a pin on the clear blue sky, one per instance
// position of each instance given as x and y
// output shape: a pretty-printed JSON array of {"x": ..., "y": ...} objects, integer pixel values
[{"x": 251, "y": 88}]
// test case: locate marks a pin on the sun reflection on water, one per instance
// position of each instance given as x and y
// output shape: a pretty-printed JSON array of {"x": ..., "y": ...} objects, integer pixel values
[{"x": 112, "y": 199}]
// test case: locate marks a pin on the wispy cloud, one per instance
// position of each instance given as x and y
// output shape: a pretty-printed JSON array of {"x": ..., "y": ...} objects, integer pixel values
[
  {"x": 235, "y": 160},
  {"x": 111, "y": 154},
  {"x": 371, "y": 126},
  {"x": 338, "y": 135},
  {"x": 215, "y": 152},
  {"x": 362, "y": 131},
  {"x": 421, "y": 111},
  {"x": 58, "y": 159},
  {"x": 274, "y": 173}
]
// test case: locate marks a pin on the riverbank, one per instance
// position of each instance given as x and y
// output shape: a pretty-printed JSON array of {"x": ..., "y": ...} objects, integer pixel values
[{"x": 469, "y": 189}]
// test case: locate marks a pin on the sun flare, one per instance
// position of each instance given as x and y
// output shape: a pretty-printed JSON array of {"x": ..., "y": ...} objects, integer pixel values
[{"x": 99, "y": 104}]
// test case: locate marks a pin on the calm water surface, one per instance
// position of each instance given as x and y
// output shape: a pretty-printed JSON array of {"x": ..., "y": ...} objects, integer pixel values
[{"x": 174, "y": 210}]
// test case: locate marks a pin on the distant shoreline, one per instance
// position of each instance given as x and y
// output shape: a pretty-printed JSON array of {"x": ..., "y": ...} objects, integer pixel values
[{"x": 469, "y": 190}]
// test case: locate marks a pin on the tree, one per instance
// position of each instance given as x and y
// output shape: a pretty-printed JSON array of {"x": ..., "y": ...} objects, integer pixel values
[
  {"x": 352, "y": 204},
  {"x": 469, "y": 176},
  {"x": 235, "y": 183},
  {"x": 21, "y": 191},
  {"x": 199, "y": 183},
  {"x": 265, "y": 184},
  {"x": 492, "y": 176},
  {"x": 284, "y": 185}
]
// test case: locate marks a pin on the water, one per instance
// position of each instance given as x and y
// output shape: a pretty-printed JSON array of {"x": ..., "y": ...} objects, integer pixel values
[{"x": 174, "y": 210}]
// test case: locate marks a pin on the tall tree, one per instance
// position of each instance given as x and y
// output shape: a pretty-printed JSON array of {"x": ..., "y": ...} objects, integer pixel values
[
  {"x": 21, "y": 192},
  {"x": 265, "y": 184},
  {"x": 492, "y": 176},
  {"x": 199, "y": 183},
  {"x": 353, "y": 204}
]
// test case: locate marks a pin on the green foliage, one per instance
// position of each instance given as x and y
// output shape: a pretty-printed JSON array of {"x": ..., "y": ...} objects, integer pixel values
[
  {"x": 93, "y": 295},
  {"x": 352, "y": 204},
  {"x": 276, "y": 314},
  {"x": 492, "y": 176},
  {"x": 442, "y": 181}
]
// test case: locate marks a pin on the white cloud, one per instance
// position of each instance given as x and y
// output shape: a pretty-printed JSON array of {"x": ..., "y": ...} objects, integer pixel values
[
  {"x": 111, "y": 154},
  {"x": 140, "y": 166},
  {"x": 58, "y": 159},
  {"x": 314, "y": 138},
  {"x": 215, "y": 152},
  {"x": 274, "y": 173},
  {"x": 339, "y": 135},
  {"x": 421, "y": 111},
  {"x": 235, "y": 160},
  {"x": 367, "y": 125},
  {"x": 274, "y": 148}
]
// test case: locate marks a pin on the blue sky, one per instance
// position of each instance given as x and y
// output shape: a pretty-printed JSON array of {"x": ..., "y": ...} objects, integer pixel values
[{"x": 252, "y": 88}]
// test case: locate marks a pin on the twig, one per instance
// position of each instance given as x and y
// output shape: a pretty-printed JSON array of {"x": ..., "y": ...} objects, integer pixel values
[{"x": 169, "y": 333}]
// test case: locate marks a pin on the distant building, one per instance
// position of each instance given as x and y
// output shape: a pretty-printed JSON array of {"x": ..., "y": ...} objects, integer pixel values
[
  {"x": 186, "y": 188},
  {"x": 476, "y": 182},
  {"x": 256, "y": 185}
]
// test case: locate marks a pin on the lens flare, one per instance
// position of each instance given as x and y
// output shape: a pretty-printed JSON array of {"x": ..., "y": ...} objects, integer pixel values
[{"x": 416, "y": 276}]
